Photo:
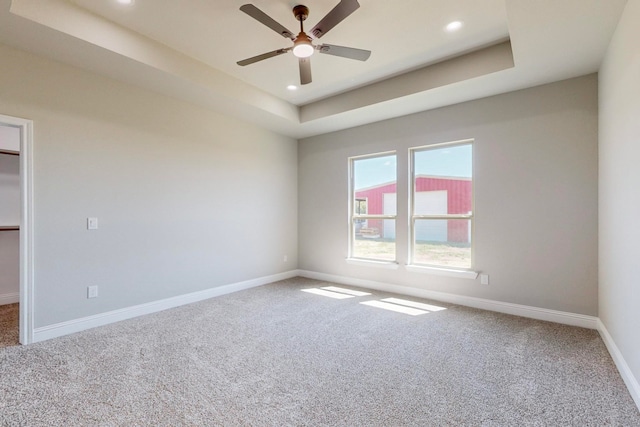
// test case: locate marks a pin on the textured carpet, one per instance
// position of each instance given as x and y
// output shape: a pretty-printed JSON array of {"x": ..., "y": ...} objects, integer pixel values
[
  {"x": 276, "y": 356},
  {"x": 9, "y": 332}
]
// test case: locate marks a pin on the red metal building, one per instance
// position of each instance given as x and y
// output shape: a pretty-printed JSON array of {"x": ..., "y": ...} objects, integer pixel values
[{"x": 434, "y": 195}]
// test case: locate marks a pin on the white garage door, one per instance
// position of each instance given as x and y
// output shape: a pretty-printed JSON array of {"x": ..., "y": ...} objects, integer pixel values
[
  {"x": 431, "y": 203},
  {"x": 389, "y": 208}
]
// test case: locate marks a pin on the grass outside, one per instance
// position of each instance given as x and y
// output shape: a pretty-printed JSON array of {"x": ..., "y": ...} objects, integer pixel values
[{"x": 441, "y": 254}]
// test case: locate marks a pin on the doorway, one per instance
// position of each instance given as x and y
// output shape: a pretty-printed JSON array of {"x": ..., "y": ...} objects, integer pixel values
[{"x": 16, "y": 220}]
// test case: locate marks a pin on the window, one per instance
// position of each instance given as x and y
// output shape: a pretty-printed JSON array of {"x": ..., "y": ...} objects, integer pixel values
[
  {"x": 360, "y": 206},
  {"x": 441, "y": 205},
  {"x": 372, "y": 207}
]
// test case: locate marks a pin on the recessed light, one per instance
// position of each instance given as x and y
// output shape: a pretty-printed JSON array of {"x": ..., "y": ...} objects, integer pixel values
[
  {"x": 292, "y": 87},
  {"x": 453, "y": 26},
  {"x": 127, "y": 2}
]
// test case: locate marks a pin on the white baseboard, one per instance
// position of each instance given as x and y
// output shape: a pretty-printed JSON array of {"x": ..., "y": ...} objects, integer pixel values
[
  {"x": 621, "y": 364},
  {"x": 562, "y": 317},
  {"x": 11, "y": 298},
  {"x": 77, "y": 325}
]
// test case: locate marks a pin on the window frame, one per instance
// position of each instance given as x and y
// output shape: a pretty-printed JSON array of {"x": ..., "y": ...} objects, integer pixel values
[
  {"x": 412, "y": 217},
  {"x": 352, "y": 216}
]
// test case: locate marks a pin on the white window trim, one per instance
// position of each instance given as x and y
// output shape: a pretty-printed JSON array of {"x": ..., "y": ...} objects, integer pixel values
[
  {"x": 438, "y": 271},
  {"x": 389, "y": 265}
]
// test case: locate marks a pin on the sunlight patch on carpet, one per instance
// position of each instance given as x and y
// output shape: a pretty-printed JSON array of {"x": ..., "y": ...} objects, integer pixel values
[
  {"x": 346, "y": 291},
  {"x": 325, "y": 293},
  {"x": 398, "y": 305},
  {"x": 421, "y": 306},
  {"x": 395, "y": 307}
]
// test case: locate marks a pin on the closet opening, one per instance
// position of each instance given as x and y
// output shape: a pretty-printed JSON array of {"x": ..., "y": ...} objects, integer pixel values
[{"x": 16, "y": 260}]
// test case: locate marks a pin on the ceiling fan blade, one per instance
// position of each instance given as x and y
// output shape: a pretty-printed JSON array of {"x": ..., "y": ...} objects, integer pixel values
[
  {"x": 265, "y": 19},
  {"x": 333, "y": 18},
  {"x": 345, "y": 52},
  {"x": 305, "y": 70},
  {"x": 262, "y": 57}
]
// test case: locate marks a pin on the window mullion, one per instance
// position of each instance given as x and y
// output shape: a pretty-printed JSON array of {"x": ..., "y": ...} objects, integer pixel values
[
  {"x": 449, "y": 216},
  {"x": 374, "y": 216}
]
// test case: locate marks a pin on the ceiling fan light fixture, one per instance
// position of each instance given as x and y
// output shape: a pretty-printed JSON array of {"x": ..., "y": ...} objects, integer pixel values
[
  {"x": 302, "y": 47},
  {"x": 303, "y": 50}
]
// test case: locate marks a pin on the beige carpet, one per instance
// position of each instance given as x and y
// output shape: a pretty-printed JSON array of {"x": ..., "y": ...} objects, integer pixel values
[
  {"x": 277, "y": 356},
  {"x": 9, "y": 325}
]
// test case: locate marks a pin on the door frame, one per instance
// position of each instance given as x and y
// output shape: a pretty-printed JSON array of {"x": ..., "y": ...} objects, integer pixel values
[{"x": 26, "y": 319}]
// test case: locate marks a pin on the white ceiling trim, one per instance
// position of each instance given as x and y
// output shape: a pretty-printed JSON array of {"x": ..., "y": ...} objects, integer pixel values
[{"x": 464, "y": 67}]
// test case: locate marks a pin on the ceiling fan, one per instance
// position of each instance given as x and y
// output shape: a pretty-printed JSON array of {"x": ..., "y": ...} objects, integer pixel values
[{"x": 303, "y": 46}]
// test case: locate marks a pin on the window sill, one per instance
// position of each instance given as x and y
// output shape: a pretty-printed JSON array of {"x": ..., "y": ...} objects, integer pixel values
[
  {"x": 391, "y": 265},
  {"x": 461, "y": 274}
]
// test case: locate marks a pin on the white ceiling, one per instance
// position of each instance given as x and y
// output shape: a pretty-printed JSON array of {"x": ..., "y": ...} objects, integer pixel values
[
  {"x": 189, "y": 48},
  {"x": 219, "y": 34}
]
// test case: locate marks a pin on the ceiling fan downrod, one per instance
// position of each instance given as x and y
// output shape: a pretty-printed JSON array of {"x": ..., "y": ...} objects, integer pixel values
[{"x": 301, "y": 12}]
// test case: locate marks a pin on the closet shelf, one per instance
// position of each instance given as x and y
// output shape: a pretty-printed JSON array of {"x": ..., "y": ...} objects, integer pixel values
[{"x": 9, "y": 227}]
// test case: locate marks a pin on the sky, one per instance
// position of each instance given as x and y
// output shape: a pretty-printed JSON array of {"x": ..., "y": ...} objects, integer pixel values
[{"x": 444, "y": 161}]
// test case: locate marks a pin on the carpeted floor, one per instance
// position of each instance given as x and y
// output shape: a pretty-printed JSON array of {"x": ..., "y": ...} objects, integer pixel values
[
  {"x": 276, "y": 356},
  {"x": 9, "y": 332}
]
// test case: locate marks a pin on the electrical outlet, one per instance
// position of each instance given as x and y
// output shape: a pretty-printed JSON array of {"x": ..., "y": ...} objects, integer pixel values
[
  {"x": 484, "y": 279},
  {"x": 92, "y": 291}
]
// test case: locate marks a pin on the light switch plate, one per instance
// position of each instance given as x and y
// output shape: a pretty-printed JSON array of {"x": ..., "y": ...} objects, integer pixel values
[
  {"x": 92, "y": 223},
  {"x": 92, "y": 291},
  {"x": 484, "y": 279}
]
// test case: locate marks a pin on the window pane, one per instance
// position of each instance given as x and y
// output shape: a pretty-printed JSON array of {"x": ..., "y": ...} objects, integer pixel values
[
  {"x": 375, "y": 239},
  {"x": 444, "y": 243},
  {"x": 373, "y": 179},
  {"x": 443, "y": 182}
]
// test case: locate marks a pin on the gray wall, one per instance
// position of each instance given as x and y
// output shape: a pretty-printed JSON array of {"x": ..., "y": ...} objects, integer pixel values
[
  {"x": 619, "y": 291},
  {"x": 535, "y": 165},
  {"x": 186, "y": 199}
]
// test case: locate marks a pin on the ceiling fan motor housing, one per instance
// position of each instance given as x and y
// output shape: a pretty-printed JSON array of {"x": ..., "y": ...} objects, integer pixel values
[{"x": 301, "y": 12}]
